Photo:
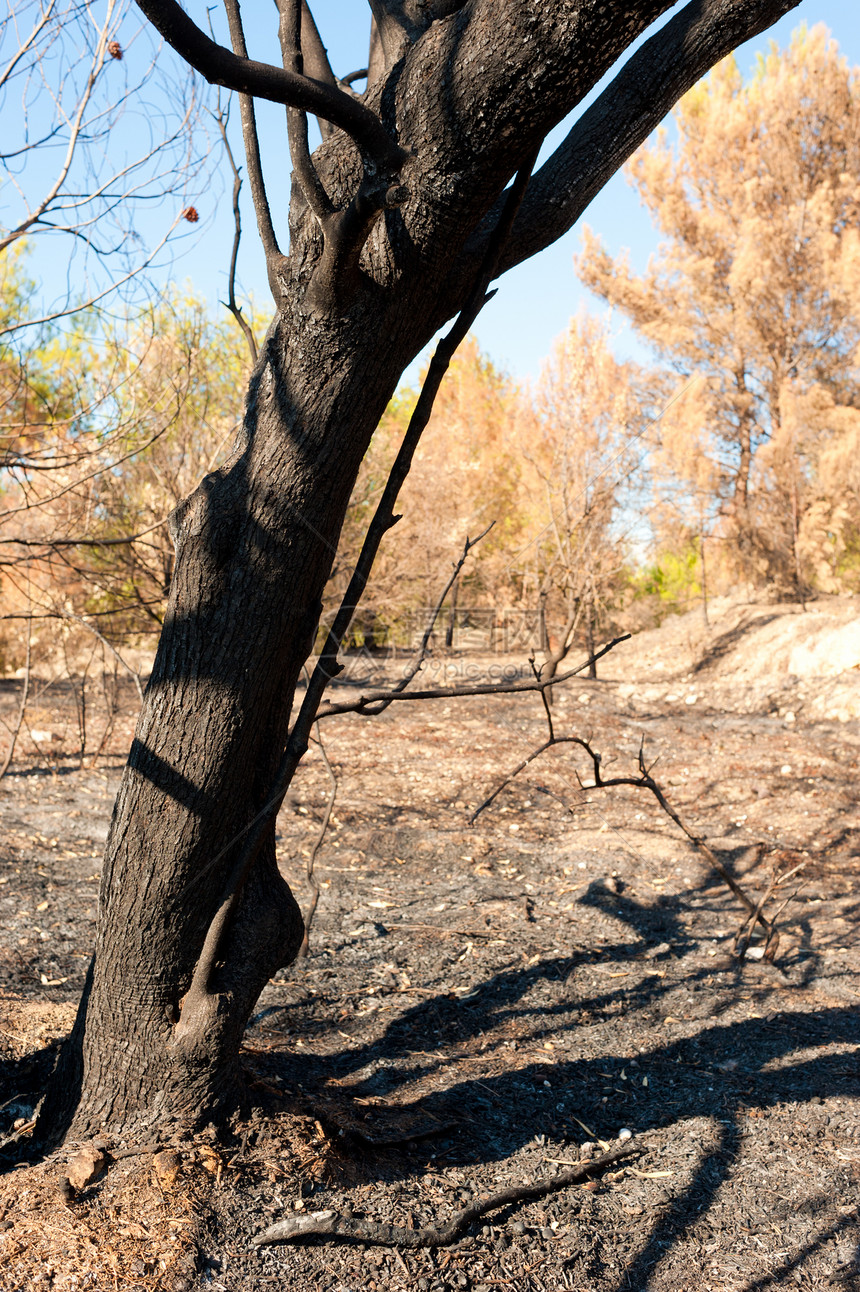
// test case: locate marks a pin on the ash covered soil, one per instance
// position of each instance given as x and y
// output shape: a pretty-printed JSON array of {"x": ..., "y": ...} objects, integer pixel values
[{"x": 486, "y": 1003}]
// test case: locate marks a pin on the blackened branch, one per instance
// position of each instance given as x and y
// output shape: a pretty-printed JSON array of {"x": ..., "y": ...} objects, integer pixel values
[
  {"x": 250, "y": 139},
  {"x": 644, "y": 781},
  {"x": 321, "y": 834},
  {"x": 232, "y": 304},
  {"x": 314, "y": 53},
  {"x": 290, "y": 34},
  {"x": 220, "y": 66},
  {"x": 328, "y": 1224},
  {"x": 421, "y": 653},
  {"x": 648, "y": 85},
  {"x": 367, "y": 705}
]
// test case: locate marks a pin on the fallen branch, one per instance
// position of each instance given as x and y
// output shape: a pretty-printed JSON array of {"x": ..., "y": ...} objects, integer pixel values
[{"x": 328, "y": 1224}]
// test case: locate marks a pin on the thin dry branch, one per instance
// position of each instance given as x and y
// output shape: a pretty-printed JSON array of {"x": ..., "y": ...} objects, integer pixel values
[
  {"x": 312, "y": 856},
  {"x": 643, "y": 781},
  {"x": 328, "y": 1224},
  {"x": 231, "y": 303},
  {"x": 365, "y": 703},
  {"x": 420, "y": 655},
  {"x": 290, "y": 36},
  {"x": 251, "y": 142}
]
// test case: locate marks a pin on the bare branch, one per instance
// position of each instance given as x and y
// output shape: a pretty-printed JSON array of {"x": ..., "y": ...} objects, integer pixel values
[
  {"x": 250, "y": 139},
  {"x": 395, "y": 33},
  {"x": 375, "y": 54},
  {"x": 328, "y": 1224},
  {"x": 419, "y": 656},
  {"x": 646, "y": 88},
  {"x": 220, "y": 66},
  {"x": 316, "y": 62},
  {"x": 51, "y": 316},
  {"x": 365, "y": 703},
  {"x": 289, "y": 34},
  {"x": 312, "y": 856},
  {"x": 643, "y": 781},
  {"x": 75, "y": 128},
  {"x": 71, "y": 618},
  {"x": 232, "y": 306},
  {"x": 73, "y": 89}
]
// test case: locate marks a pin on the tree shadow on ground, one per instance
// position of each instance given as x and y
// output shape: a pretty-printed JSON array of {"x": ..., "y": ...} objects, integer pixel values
[
  {"x": 699, "y": 1077},
  {"x": 724, "y": 1073}
]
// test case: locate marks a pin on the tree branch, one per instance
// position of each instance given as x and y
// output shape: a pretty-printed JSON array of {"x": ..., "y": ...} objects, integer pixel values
[
  {"x": 289, "y": 34},
  {"x": 312, "y": 856},
  {"x": 220, "y": 66},
  {"x": 316, "y": 62},
  {"x": 328, "y": 1224},
  {"x": 375, "y": 701},
  {"x": 232, "y": 306},
  {"x": 418, "y": 658},
  {"x": 644, "y": 781},
  {"x": 251, "y": 142},
  {"x": 15, "y": 729},
  {"x": 609, "y": 132}
]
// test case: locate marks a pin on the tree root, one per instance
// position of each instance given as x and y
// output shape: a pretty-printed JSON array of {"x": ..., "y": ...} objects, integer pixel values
[{"x": 328, "y": 1224}]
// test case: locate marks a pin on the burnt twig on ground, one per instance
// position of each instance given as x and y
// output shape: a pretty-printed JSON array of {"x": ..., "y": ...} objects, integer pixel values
[{"x": 328, "y": 1224}]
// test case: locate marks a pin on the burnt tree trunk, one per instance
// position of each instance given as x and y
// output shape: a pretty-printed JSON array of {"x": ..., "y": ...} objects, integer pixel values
[
  {"x": 388, "y": 222},
  {"x": 254, "y": 545}
]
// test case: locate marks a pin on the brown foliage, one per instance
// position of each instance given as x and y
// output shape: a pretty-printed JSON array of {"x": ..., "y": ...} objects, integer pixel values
[{"x": 754, "y": 293}]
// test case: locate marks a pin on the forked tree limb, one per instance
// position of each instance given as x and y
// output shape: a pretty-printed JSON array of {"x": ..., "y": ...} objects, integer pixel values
[
  {"x": 420, "y": 655},
  {"x": 364, "y": 705},
  {"x": 253, "y": 160},
  {"x": 328, "y": 1224},
  {"x": 290, "y": 36},
  {"x": 646, "y": 88},
  {"x": 644, "y": 781},
  {"x": 221, "y": 66}
]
